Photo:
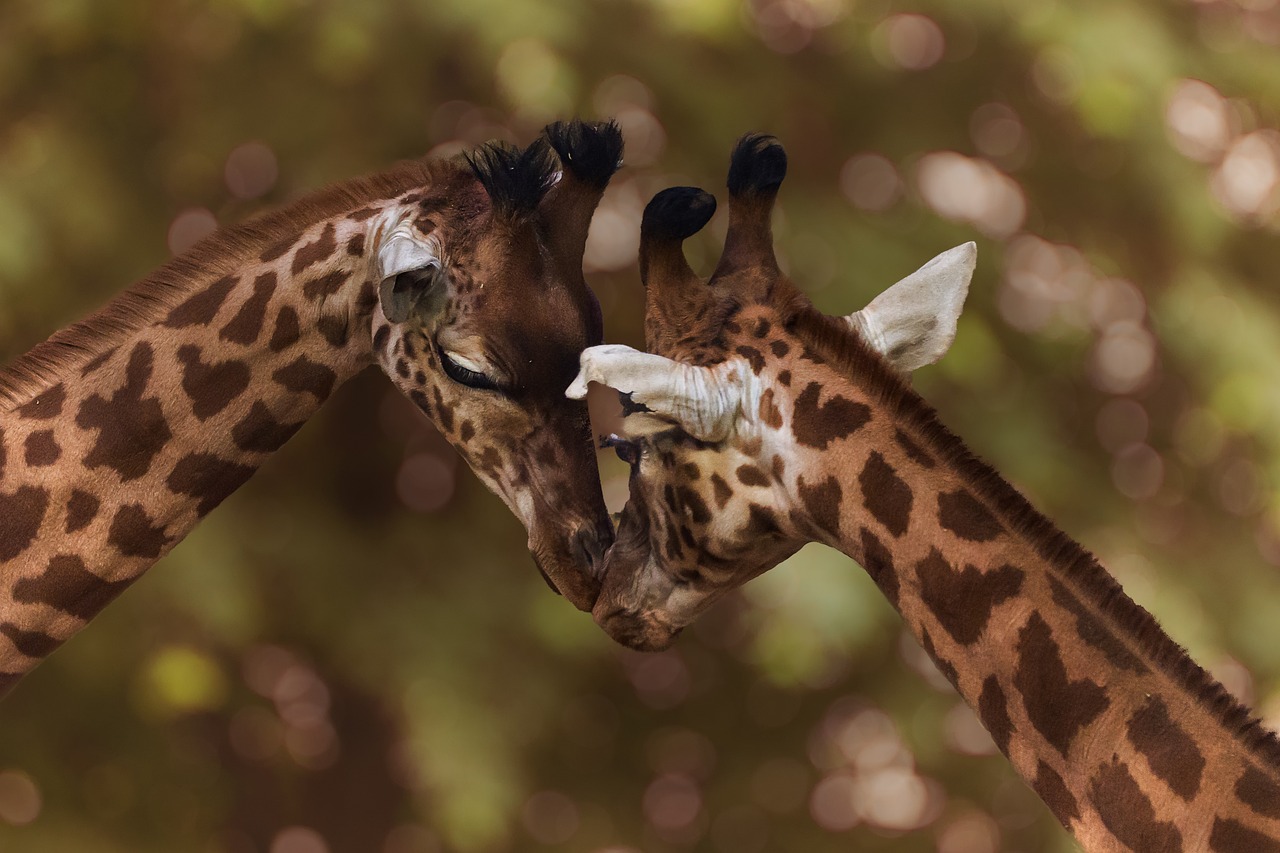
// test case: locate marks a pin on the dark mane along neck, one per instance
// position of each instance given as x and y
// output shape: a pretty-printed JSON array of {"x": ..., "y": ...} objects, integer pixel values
[
  {"x": 833, "y": 340},
  {"x": 216, "y": 255}
]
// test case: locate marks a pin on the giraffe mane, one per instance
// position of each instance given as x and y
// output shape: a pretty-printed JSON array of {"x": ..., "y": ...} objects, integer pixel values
[
  {"x": 829, "y": 338},
  {"x": 217, "y": 254}
]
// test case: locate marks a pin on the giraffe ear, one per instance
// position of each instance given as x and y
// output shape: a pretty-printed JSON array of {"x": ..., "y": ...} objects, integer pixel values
[
  {"x": 913, "y": 323},
  {"x": 659, "y": 393},
  {"x": 409, "y": 273}
]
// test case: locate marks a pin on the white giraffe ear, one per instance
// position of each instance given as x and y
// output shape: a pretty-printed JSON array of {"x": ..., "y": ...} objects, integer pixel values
[
  {"x": 703, "y": 401},
  {"x": 409, "y": 272},
  {"x": 913, "y": 323}
]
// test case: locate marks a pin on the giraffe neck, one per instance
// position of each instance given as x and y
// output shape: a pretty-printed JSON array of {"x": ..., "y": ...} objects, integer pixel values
[
  {"x": 121, "y": 433},
  {"x": 1123, "y": 736}
]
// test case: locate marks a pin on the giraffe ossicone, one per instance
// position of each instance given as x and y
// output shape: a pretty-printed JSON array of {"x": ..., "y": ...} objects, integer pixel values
[
  {"x": 461, "y": 278},
  {"x": 1129, "y": 743}
]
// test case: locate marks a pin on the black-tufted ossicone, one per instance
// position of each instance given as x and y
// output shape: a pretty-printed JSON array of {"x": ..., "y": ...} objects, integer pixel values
[
  {"x": 758, "y": 165},
  {"x": 590, "y": 151},
  {"x": 677, "y": 213}
]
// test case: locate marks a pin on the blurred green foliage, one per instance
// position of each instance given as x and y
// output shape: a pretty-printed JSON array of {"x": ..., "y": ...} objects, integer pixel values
[{"x": 322, "y": 667}]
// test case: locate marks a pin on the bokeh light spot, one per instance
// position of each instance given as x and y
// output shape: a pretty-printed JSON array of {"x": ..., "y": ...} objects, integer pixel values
[
  {"x": 251, "y": 170},
  {"x": 20, "y": 800},
  {"x": 299, "y": 839},
  {"x": 190, "y": 227}
]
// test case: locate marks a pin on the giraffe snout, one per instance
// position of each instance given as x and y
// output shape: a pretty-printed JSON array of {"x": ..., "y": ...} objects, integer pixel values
[{"x": 593, "y": 543}]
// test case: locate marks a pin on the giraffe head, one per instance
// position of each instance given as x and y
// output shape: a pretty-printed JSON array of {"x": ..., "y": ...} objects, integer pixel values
[
  {"x": 480, "y": 316},
  {"x": 725, "y": 417}
]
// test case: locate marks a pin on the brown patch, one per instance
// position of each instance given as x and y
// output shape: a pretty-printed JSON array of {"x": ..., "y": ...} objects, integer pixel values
[
  {"x": 260, "y": 432},
  {"x": 1259, "y": 792},
  {"x": 750, "y": 475},
  {"x": 761, "y": 522},
  {"x": 211, "y": 387},
  {"x": 246, "y": 325},
  {"x": 287, "y": 330},
  {"x": 780, "y": 349},
  {"x": 878, "y": 562},
  {"x": 67, "y": 585},
  {"x": 444, "y": 413},
  {"x": 822, "y": 503},
  {"x": 761, "y": 327},
  {"x": 133, "y": 534},
  {"x": 41, "y": 449},
  {"x": 963, "y": 601},
  {"x": 784, "y": 378},
  {"x": 694, "y": 505},
  {"x": 325, "y": 286},
  {"x": 1128, "y": 813},
  {"x": 817, "y": 425},
  {"x": 131, "y": 428},
  {"x": 721, "y": 490},
  {"x": 1057, "y": 707},
  {"x": 313, "y": 253},
  {"x": 946, "y": 667},
  {"x": 754, "y": 356},
  {"x": 355, "y": 246},
  {"x": 1093, "y": 631},
  {"x": 33, "y": 644},
  {"x": 334, "y": 329},
  {"x": 770, "y": 414},
  {"x": 913, "y": 451},
  {"x": 962, "y": 514},
  {"x": 304, "y": 376},
  {"x": 885, "y": 495},
  {"x": 21, "y": 514},
  {"x": 778, "y": 467},
  {"x": 466, "y": 431},
  {"x": 1231, "y": 836},
  {"x": 97, "y": 361},
  {"x": 47, "y": 405},
  {"x": 82, "y": 508},
  {"x": 362, "y": 214},
  {"x": 200, "y": 309},
  {"x": 1050, "y": 787},
  {"x": 993, "y": 709},
  {"x": 1168, "y": 748},
  {"x": 277, "y": 250},
  {"x": 208, "y": 478}
]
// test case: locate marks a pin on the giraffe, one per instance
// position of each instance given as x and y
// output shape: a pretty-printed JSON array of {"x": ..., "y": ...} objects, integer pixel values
[
  {"x": 461, "y": 278},
  {"x": 758, "y": 424}
]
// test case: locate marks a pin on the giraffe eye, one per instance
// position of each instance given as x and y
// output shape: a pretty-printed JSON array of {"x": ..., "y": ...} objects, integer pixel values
[
  {"x": 466, "y": 375},
  {"x": 628, "y": 451}
]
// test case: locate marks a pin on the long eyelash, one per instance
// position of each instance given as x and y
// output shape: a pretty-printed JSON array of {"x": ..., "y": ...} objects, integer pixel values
[{"x": 466, "y": 376}]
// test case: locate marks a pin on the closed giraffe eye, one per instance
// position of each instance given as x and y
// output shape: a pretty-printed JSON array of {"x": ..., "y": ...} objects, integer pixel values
[
  {"x": 628, "y": 451},
  {"x": 464, "y": 371}
]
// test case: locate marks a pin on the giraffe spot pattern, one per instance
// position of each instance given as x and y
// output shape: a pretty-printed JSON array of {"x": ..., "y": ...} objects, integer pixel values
[
  {"x": 324, "y": 286},
  {"x": 963, "y": 601},
  {"x": 466, "y": 431},
  {"x": 46, "y": 406},
  {"x": 33, "y": 644},
  {"x": 260, "y": 432},
  {"x": 822, "y": 503},
  {"x": 753, "y": 356},
  {"x": 721, "y": 492},
  {"x": 131, "y": 428},
  {"x": 780, "y": 349},
  {"x": 761, "y": 521},
  {"x": 133, "y": 533},
  {"x": 211, "y": 387},
  {"x": 1050, "y": 787},
  {"x": 1231, "y": 836},
  {"x": 750, "y": 475},
  {"x": 287, "y": 331},
  {"x": 885, "y": 495},
  {"x": 878, "y": 563},
  {"x": 944, "y": 666},
  {"x": 770, "y": 415},
  {"x": 993, "y": 709},
  {"x": 97, "y": 361},
  {"x": 1259, "y": 792},
  {"x": 21, "y": 514},
  {"x": 355, "y": 246},
  {"x": 962, "y": 514},
  {"x": 784, "y": 378},
  {"x": 315, "y": 252},
  {"x": 817, "y": 425},
  {"x": 913, "y": 450},
  {"x": 277, "y": 250},
  {"x": 694, "y": 505},
  {"x": 246, "y": 325},
  {"x": 82, "y": 508},
  {"x": 1128, "y": 813},
  {"x": 444, "y": 413},
  {"x": 334, "y": 329},
  {"x": 1170, "y": 751},
  {"x": 1057, "y": 707},
  {"x": 304, "y": 376},
  {"x": 208, "y": 478},
  {"x": 41, "y": 449},
  {"x": 67, "y": 585},
  {"x": 1093, "y": 631},
  {"x": 201, "y": 308}
]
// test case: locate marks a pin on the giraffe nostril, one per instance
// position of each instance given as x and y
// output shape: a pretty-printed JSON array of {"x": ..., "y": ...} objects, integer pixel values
[{"x": 592, "y": 543}]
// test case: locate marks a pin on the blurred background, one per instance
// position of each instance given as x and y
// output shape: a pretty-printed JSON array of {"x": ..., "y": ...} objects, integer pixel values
[{"x": 355, "y": 653}]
